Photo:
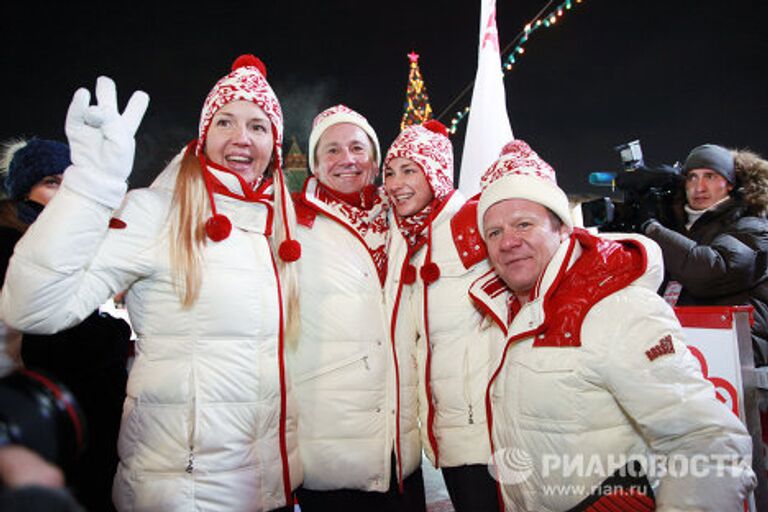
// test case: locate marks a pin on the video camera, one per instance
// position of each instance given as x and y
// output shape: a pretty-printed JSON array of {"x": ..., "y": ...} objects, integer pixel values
[
  {"x": 647, "y": 192},
  {"x": 41, "y": 414}
]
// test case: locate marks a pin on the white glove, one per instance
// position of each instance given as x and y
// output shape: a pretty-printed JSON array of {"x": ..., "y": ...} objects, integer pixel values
[{"x": 101, "y": 142}]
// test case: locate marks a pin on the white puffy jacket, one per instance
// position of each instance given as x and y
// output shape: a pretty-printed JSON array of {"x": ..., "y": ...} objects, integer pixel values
[
  {"x": 453, "y": 356},
  {"x": 208, "y": 422},
  {"x": 596, "y": 369},
  {"x": 343, "y": 371}
]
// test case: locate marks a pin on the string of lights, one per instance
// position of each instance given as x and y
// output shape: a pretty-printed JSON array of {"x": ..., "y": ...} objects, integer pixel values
[{"x": 544, "y": 19}]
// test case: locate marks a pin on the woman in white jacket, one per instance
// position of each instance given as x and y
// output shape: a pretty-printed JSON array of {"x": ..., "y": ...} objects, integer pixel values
[
  {"x": 435, "y": 254},
  {"x": 208, "y": 422}
]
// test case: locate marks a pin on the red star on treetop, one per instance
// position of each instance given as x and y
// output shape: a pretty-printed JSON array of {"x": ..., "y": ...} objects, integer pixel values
[{"x": 413, "y": 56}]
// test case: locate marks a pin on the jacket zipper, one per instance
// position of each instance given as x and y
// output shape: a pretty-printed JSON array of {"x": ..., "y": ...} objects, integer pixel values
[{"x": 191, "y": 463}]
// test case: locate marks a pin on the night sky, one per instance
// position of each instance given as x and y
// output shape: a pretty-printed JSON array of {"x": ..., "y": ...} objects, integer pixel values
[{"x": 672, "y": 73}]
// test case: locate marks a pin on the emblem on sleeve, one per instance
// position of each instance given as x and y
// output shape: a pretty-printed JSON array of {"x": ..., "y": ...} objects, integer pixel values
[{"x": 664, "y": 346}]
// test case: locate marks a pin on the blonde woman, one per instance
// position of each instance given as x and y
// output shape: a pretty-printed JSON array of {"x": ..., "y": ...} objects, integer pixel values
[{"x": 208, "y": 422}]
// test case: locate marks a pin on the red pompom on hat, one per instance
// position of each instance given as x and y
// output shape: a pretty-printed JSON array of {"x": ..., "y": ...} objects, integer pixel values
[
  {"x": 512, "y": 147},
  {"x": 249, "y": 60},
  {"x": 436, "y": 126},
  {"x": 218, "y": 227},
  {"x": 430, "y": 272}
]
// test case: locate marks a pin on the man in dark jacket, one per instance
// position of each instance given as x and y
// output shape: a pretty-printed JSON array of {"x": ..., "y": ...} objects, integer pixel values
[{"x": 718, "y": 254}]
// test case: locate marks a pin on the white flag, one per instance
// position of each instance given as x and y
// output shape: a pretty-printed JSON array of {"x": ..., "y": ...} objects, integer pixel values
[{"x": 488, "y": 128}]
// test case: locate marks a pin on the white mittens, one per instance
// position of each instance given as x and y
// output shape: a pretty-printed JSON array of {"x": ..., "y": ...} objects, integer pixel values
[{"x": 101, "y": 141}]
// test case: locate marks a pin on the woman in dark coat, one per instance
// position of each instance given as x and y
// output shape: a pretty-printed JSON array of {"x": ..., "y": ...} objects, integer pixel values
[{"x": 89, "y": 359}]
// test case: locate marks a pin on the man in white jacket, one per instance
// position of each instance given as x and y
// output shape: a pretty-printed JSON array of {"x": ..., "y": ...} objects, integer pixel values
[
  {"x": 595, "y": 403},
  {"x": 358, "y": 425}
]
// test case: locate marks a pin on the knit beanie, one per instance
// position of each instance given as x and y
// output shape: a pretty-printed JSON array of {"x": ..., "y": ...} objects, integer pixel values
[
  {"x": 520, "y": 173},
  {"x": 32, "y": 161},
  {"x": 247, "y": 81},
  {"x": 428, "y": 146},
  {"x": 337, "y": 115},
  {"x": 714, "y": 157}
]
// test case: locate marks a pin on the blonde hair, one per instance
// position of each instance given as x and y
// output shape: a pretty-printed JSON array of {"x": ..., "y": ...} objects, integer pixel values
[
  {"x": 289, "y": 277},
  {"x": 189, "y": 211}
]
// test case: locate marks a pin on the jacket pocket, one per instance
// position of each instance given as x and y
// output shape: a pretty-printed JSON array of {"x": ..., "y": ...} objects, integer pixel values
[
  {"x": 546, "y": 390},
  {"x": 452, "y": 268},
  {"x": 359, "y": 358}
]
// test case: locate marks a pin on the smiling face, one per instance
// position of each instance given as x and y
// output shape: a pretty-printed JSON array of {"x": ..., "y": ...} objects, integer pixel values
[
  {"x": 705, "y": 187},
  {"x": 345, "y": 159},
  {"x": 407, "y": 186},
  {"x": 522, "y": 236},
  {"x": 240, "y": 139}
]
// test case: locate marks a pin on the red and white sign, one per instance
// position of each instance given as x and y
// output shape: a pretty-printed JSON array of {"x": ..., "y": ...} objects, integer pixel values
[{"x": 712, "y": 338}]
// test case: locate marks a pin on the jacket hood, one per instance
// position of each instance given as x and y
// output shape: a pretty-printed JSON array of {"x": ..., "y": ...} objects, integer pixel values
[
  {"x": 752, "y": 180},
  {"x": 654, "y": 269}
]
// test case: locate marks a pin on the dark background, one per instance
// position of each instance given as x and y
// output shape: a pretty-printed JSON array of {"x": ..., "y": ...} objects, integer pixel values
[{"x": 673, "y": 73}]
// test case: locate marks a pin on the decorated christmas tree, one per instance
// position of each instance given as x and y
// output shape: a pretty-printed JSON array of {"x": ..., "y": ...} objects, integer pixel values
[{"x": 417, "y": 107}]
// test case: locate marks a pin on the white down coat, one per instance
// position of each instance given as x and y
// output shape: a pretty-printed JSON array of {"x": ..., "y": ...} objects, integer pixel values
[
  {"x": 565, "y": 417},
  {"x": 208, "y": 410},
  {"x": 343, "y": 370},
  {"x": 458, "y": 351}
]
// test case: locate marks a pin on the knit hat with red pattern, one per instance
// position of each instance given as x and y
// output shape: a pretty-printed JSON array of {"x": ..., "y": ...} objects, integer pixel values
[
  {"x": 247, "y": 81},
  {"x": 429, "y": 147},
  {"x": 337, "y": 115},
  {"x": 520, "y": 173}
]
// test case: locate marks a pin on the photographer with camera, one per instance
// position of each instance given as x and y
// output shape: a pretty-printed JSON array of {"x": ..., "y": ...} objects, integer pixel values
[{"x": 717, "y": 251}]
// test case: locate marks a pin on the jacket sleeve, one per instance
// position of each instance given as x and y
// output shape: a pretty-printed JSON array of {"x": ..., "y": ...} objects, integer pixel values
[
  {"x": 730, "y": 264},
  {"x": 644, "y": 363},
  {"x": 69, "y": 262}
]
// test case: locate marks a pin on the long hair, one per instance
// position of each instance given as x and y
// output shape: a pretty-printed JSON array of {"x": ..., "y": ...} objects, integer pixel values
[
  {"x": 289, "y": 277},
  {"x": 189, "y": 210}
]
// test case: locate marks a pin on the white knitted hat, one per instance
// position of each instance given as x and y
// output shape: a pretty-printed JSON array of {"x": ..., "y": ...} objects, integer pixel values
[{"x": 520, "y": 173}]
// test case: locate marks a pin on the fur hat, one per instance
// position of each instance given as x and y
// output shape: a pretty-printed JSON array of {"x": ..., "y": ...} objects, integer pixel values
[
  {"x": 337, "y": 115},
  {"x": 28, "y": 162},
  {"x": 429, "y": 147},
  {"x": 714, "y": 157},
  {"x": 520, "y": 173}
]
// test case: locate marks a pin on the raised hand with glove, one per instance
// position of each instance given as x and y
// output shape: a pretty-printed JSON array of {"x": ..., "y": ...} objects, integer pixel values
[{"x": 102, "y": 142}]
